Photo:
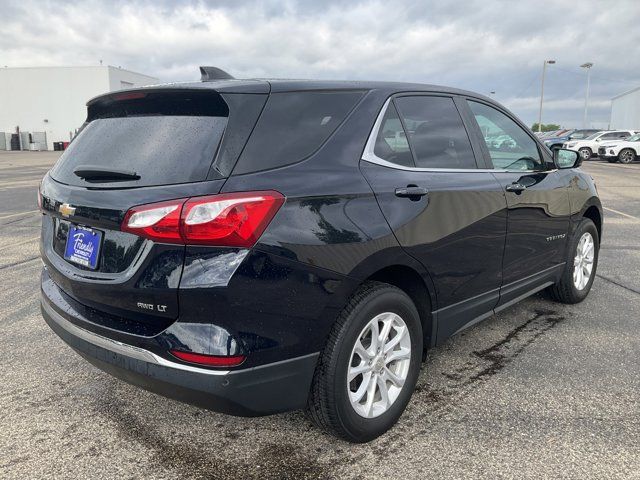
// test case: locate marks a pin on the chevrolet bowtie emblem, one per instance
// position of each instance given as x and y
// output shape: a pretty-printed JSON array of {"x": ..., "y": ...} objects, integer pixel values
[{"x": 66, "y": 210}]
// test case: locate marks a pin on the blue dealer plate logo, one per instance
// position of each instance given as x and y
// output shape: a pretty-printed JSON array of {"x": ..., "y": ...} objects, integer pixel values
[{"x": 83, "y": 246}]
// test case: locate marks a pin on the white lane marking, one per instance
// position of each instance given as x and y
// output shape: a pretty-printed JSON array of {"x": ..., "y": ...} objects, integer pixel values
[
  {"x": 621, "y": 213},
  {"x": 18, "y": 214}
]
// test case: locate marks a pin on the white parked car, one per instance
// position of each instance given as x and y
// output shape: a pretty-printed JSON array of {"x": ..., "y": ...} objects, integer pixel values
[
  {"x": 625, "y": 151},
  {"x": 589, "y": 146}
]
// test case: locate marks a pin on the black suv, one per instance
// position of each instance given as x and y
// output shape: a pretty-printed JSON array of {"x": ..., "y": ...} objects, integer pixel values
[{"x": 254, "y": 246}]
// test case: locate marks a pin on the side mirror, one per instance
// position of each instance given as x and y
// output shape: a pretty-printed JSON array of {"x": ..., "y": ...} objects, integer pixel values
[
  {"x": 597, "y": 139},
  {"x": 567, "y": 158}
]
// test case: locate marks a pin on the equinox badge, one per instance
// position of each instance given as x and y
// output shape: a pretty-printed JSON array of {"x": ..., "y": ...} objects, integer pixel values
[{"x": 66, "y": 210}]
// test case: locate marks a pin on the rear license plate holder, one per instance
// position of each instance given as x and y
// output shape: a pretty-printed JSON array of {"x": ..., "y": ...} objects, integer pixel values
[{"x": 83, "y": 246}]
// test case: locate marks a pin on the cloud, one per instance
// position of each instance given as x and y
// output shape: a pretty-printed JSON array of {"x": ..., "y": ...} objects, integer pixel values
[{"x": 488, "y": 45}]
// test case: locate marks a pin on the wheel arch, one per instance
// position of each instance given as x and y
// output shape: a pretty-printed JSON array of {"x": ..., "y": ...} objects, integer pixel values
[
  {"x": 594, "y": 214},
  {"x": 407, "y": 274},
  {"x": 593, "y": 211}
]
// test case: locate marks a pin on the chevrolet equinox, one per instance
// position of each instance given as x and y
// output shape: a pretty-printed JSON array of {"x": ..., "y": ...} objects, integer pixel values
[{"x": 259, "y": 246}]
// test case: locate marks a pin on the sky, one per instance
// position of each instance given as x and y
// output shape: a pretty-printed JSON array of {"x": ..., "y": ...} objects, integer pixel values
[{"x": 484, "y": 46}]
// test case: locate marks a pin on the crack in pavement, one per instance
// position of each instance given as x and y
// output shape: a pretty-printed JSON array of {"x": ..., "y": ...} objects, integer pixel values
[
  {"x": 21, "y": 262},
  {"x": 619, "y": 247},
  {"x": 610, "y": 280}
]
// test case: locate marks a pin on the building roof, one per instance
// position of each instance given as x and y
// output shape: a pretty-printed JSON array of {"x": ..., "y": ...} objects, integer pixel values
[
  {"x": 626, "y": 93},
  {"x": 59, "y": 67}
]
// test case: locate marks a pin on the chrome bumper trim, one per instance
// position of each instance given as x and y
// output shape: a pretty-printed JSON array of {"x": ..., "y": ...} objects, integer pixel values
[{"x": 122, "y": 348}]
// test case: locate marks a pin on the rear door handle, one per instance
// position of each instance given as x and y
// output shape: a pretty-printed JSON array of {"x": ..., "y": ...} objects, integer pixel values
[
  {"x": 412, "y": 192},
  {"x": 515, "y": 187}
]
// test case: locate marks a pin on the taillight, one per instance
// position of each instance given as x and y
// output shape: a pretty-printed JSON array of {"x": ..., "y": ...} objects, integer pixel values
[
  {"x": 230, "y": 219},
  {"x": 129, "y": 96},
  {"x": 209, "y": 360},
  {"x": 233, "y": 219},
  {"x": 157, "y": 221}
]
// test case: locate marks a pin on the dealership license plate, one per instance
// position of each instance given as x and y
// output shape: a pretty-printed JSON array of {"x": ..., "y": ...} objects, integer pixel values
[{"x": 83, "y": 246}]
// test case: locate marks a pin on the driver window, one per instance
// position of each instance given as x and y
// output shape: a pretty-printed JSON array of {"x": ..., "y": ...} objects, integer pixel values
[
  {"x": 391, "y": 142},
  {"x": 510, "y": 147}
]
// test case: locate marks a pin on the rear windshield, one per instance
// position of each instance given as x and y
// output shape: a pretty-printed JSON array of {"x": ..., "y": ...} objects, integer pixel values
[
  {"x": 294, "y": 125},
  {"x": 163, "y": 139}
]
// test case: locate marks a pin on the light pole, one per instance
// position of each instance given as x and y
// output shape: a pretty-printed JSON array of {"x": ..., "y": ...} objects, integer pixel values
[
  {"x": 544, "y": 70},
  {"x": 588, "y": 66}
]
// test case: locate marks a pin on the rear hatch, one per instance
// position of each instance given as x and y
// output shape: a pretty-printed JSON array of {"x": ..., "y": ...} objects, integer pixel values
[{"x": 137, "y": 147}]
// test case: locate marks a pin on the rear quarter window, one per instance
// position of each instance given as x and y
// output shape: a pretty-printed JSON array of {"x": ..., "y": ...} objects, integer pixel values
[{"x": 293, "y": 126}]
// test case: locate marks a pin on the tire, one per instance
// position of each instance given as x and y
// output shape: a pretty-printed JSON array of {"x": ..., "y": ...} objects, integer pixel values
[
  {"x": 568, "y": 290},
  {"x": 330, "y": 404},
  {"x": 626, "y": 155},
  {"x": 585, "y": 153}
]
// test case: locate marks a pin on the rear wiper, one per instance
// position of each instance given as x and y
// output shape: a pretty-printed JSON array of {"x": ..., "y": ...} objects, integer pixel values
[{"x": 88, "y": 172}]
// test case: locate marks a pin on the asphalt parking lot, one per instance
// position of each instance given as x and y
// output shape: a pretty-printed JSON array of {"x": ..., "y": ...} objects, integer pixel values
[{"x": 541, "y": 390}]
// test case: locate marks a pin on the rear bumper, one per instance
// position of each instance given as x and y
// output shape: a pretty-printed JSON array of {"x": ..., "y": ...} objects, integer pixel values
[{"x": 262, "y": 390}]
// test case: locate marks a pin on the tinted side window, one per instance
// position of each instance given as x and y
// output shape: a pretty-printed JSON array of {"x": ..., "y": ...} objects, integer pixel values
[
  {"x": 436, "y": 132},
  {"x": 510, "y": 147},
  {"x": 391, "y": 142},
  {"x": 292, "y": 126},
  {"x": 610, "y": 136}
]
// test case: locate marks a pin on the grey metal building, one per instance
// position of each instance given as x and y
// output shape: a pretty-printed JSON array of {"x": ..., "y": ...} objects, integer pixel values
[{"x": 625, "y": 110}]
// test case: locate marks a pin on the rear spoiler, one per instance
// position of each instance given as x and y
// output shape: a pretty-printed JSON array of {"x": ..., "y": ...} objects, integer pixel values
[{"x": 208, "y": 74}]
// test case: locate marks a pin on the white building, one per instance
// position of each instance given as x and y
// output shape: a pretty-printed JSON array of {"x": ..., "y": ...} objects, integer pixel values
[
  {"x": 625, "y": 110},
  {"x": 52, "y": 100}
]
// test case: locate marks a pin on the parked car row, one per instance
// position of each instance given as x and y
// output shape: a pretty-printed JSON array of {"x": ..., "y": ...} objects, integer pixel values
[
  {"x": 625, "y": 151},
  {"x": 555, "y": 141},
  {"x": 612, "y": 145},
  {"x": 589, "y": 146},
  {"x": 553, "y": 133}
]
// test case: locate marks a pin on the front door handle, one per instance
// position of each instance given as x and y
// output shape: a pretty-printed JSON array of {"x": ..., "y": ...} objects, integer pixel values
[
  {"x": 515, "y": 187},
  {"x": 412, "y": 192}
]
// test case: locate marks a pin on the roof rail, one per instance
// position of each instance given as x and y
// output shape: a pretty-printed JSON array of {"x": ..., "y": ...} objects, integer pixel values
[{"x": 208, "y": 74}]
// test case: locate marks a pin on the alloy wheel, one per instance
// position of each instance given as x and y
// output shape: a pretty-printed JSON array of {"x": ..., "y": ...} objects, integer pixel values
[
  {"x": 627, "y": 156},
  {"x": 583, "y": 261},
  {"x": 586, "y": 153},
  {"x": 379, "y": 365}
]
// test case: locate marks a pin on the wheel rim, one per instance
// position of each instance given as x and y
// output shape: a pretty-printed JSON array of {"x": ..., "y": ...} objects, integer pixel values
[
  {"x": 627, "y": 156},
  {"x": 583, "y": 261},
  {"x": 379, "y": 365},
  {"x": 586, "y": 154}
]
